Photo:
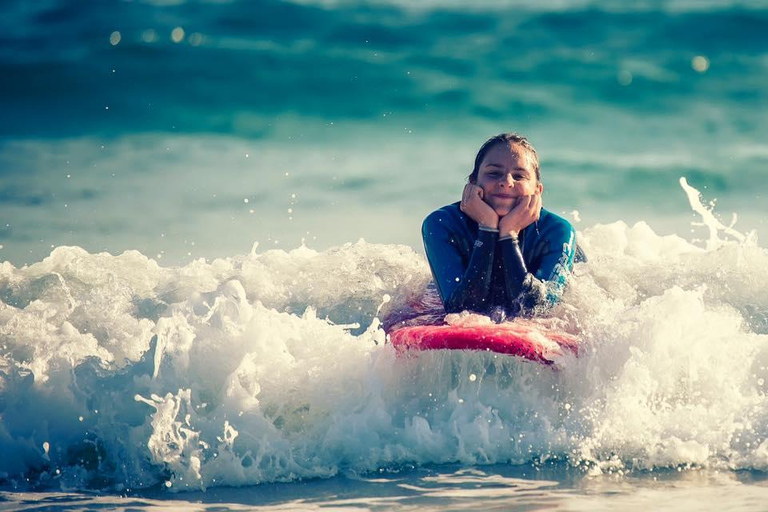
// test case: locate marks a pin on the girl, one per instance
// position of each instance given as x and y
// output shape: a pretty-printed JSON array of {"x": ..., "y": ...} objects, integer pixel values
[{"x": 498, "y": 252}]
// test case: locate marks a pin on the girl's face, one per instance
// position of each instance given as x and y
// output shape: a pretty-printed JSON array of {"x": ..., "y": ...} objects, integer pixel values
[{"x": 505, "y": 174}]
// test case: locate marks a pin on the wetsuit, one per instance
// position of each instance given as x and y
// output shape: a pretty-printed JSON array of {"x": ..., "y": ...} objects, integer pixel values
[{"x": 475, "y": 270}]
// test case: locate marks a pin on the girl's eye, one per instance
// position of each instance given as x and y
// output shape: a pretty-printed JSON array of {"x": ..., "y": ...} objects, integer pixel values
[{"x": 519, "y": 177}]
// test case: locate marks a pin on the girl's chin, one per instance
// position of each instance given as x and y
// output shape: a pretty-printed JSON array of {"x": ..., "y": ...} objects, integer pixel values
[{"x": 502, "y": 210}]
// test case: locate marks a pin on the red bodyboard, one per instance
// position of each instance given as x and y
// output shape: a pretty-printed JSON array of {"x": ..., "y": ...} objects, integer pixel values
[{"x": 513, "y": 338}]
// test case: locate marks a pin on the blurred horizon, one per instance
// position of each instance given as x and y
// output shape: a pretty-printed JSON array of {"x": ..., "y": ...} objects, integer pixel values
[{"x": 188, "y": 129}]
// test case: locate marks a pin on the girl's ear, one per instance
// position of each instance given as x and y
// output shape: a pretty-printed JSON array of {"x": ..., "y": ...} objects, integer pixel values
[
  {"x": 471, "y": 179},
  {"x": 541, "y": 187}
]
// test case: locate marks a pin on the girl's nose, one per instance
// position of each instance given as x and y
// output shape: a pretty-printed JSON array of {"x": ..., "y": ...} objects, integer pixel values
[{"x": 509, "y": 181}]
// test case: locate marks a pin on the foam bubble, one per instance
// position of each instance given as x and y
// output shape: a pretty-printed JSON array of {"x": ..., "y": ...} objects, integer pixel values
[{"x": 272, "y": 366}]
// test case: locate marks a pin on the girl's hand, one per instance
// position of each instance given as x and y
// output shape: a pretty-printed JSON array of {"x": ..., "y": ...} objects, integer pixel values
[
  {"x": 478, "y": 210},
  {"x": 526, "y": 212}
]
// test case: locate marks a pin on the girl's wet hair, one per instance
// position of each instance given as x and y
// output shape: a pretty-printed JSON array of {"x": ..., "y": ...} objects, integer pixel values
[{"x": 506, "y": 138}]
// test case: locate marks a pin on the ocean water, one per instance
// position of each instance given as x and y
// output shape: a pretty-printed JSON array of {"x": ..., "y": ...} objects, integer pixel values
[{"x": 206, "y": 209}]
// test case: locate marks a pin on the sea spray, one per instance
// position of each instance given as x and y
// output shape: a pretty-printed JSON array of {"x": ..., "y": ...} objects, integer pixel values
[
  {"x": 117, "y": 372},
  {"x": 677, "y": 374}
]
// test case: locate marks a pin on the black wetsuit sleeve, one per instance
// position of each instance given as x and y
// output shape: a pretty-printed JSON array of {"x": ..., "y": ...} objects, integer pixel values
[
  {"x": 461, "y": 285},
  {"x": 528, "y": 292}
]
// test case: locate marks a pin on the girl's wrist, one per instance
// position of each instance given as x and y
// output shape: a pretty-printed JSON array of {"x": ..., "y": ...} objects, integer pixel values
[
  {"x": 508, "y": 235},
  {"x": 493, "y": 226}
]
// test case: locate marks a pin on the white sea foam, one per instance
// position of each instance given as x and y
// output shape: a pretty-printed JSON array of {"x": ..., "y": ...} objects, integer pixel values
[{"x": 115, "y": 371}]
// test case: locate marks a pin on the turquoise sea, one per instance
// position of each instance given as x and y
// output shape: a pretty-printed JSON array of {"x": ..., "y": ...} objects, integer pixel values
[{"x": 206, "y": 207}]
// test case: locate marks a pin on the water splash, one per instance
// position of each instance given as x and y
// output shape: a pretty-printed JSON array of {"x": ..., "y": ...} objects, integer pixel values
[
  {"x": 709, "y": 220},
  {"x": 117, "y": 372}
]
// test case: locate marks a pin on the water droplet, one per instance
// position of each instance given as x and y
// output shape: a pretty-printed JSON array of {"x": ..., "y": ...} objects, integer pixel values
[
  {"x": 700, "y": 63},
  {"x": 196, "y": 39},
  {"x": 624, "y": 77},
  {"x": 149, "y": 36},
  {"x": 177, "y": 35}
]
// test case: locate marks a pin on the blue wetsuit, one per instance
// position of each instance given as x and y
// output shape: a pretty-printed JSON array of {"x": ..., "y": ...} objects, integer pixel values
[{"x": 476, "y": 271}]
